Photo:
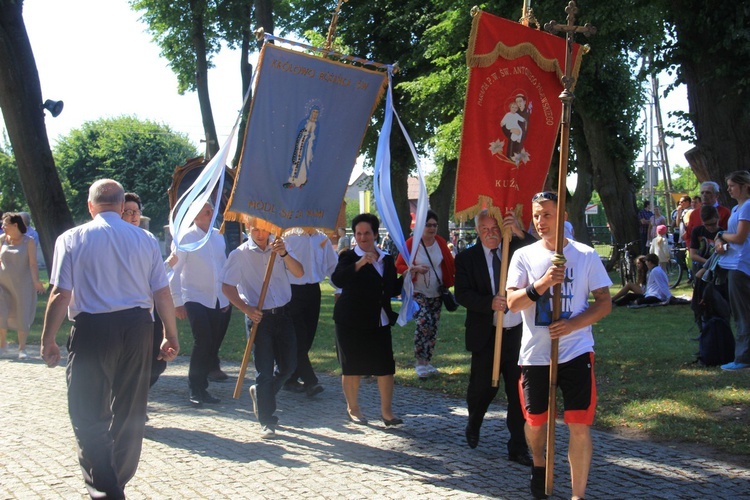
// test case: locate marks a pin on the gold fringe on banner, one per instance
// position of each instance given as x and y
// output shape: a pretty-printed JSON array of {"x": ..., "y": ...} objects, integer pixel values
[
  {"x": 485, "y": 203},
  {"x": 522, "y": 49}
]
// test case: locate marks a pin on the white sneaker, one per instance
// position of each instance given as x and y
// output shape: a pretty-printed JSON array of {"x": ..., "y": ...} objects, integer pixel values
[
  {"x": 22, "y": 354},
  {"x": 422, "y": 371},
  {"x": 267, "y": 432},
  {"x": 432, "y": 370}
]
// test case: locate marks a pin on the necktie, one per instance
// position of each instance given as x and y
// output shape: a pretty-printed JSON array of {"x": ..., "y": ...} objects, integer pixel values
[{"x": 496, "y": 269}]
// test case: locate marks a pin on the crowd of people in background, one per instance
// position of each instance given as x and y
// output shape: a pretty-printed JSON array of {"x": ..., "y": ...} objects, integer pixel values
[{"x": 201, "y": 284}]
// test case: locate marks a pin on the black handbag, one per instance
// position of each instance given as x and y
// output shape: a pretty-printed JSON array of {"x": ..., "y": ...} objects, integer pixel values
[{"x": 449, "y": 301}]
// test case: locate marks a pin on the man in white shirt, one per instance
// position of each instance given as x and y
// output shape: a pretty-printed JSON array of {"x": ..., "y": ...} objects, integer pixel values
[
  {"x": 275, "y": 342},
  {"x": 196, "y": 291},
  {"x": 531, "y": 277},
  {"x": 314, "y": 251},
  {"x": 108, "y": 274}
]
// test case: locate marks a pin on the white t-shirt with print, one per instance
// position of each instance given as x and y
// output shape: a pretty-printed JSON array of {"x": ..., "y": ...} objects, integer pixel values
[{"x": 584, "y": 272}]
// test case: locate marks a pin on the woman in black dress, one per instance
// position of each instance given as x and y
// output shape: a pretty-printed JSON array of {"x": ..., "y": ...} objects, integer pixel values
[{"x": 363, "y": 317}]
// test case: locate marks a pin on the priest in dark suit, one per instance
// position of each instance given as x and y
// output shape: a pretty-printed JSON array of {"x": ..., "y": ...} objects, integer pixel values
[{"x": 476, "y": 288}]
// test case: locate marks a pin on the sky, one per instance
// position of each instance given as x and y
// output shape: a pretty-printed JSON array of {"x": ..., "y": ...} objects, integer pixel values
[{"x": 96, "y": 56}]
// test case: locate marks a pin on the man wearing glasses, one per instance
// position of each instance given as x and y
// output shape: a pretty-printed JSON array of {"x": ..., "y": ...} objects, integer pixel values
[
  {"x": 531, "y": 277},
  {"x": 709, "y": 196}
]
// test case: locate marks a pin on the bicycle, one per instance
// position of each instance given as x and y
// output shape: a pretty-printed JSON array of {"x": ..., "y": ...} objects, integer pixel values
[
  {"x": 626, "y": 264},
  {"x": 676, "y": 266}
]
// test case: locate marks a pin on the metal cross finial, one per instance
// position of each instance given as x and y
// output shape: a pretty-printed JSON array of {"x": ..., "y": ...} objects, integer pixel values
[
  {"x": 566, "y": 97},
  {"x": 569, "y": 29}
]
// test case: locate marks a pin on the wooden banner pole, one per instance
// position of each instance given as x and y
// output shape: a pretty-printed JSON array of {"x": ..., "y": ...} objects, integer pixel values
[
  {"x": 558, "y": 259},
  {"x": 507, "y": 235}
]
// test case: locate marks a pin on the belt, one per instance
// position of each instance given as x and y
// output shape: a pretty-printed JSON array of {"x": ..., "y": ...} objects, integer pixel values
[{"x": 276, "y": 310}]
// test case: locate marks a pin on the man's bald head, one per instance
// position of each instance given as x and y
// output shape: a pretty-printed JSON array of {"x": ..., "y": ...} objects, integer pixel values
[{"x": 106, "y": 195}]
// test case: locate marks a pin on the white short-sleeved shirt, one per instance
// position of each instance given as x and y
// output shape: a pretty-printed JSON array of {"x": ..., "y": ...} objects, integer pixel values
[
  {"x": 316, "y": 254},
  {"x": 731, "y": 259},
  {"x": 197, "y": 274},
  {"x": 584, "y": 272},
  {"x": 246, "y": 268},
  {"x": 109, "y": 265},
  {"x": 657, "y": 284}
]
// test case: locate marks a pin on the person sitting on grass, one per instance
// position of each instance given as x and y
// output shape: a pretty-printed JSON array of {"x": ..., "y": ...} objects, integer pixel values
[
  {"x": 637, "y": 287},
  {"x": 657, "y": 286}
]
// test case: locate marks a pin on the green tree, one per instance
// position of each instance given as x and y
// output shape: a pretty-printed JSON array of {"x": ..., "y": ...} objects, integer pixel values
[
  {"x": 12, "y": 198},
  {"x": 187, "y": 33},
  {"x": 20, "y": 102},
  {"x": 141, "y": 155},
  {"x": 429, "y": 40},
  {"x": 683, "y": 181},
  {"x": 709, "y": 51},
  {"x": 191, "y": 32}
]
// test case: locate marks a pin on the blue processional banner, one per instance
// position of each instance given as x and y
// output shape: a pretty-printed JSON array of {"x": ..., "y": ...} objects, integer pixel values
[{"x": 307, "y": 120}]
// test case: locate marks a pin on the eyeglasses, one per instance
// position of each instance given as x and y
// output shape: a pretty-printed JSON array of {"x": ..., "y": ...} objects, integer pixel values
[
  {"x": 431, "y": 224},
  {"x": 544, "y": 196},
  {"x": 131, "y": 213}
]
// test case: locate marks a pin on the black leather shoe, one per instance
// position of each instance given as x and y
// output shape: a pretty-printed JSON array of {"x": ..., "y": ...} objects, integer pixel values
[
  {"x": 314, "y": 390},
  {"x": 538, "y": 479},
  {"x": 217, "y": 376},
  {"x": 360, "y": 420},
  {"x": 207, "y": 398},
  {"x": 294, "y": 386},
  {"x": 195, "y": 400},
  {"x": 522, "y": 458},
  {"x": 472, "y": 436},
  {"x": 392, "y": 422}
]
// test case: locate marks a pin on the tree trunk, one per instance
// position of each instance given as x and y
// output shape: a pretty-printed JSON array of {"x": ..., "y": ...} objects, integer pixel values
[
  {"x": 246, "y": 71},
  {"x": 264, "y": 15},
  {"x": 712, "y": 55},
  {"x": 722, "y": 127},
  {"x": 611, "y": 180},
  {"x": 578, "y": 202},
  {"x": 442, "y": 198},
  {"x": 201, "y": 80},
  {"x": 20, "y": 102}
]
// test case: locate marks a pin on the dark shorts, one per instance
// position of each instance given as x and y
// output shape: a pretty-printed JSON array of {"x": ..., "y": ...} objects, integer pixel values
[{"x": 576, "y": 380}]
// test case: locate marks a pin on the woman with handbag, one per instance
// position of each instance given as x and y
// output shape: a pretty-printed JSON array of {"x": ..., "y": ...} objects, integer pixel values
[{"x": 433, "y": 274}]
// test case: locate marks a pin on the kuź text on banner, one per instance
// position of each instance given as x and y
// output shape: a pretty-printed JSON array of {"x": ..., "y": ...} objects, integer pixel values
[
  {"x": 512, "y": 115},
  {"x": 307, "y": 120}
]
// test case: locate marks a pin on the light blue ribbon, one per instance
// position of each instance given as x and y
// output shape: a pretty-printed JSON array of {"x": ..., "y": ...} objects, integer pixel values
[
  {"x": 193, "y": 200},
  {"x": 386, "y": 208}
]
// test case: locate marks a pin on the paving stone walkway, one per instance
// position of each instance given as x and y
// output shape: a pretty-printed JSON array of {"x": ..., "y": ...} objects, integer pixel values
[{"x": 216, "y": 451}]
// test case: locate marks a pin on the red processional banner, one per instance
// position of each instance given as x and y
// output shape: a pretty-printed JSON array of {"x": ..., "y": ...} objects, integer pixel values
[{"x": 512, "y": 115}]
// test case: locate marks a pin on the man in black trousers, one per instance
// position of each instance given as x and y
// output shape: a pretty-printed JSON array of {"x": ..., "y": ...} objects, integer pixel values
[
  {"x": 108, "y": 274},
  {"x": 476, "y": 288},
  {"x": 314, "y": 251}
]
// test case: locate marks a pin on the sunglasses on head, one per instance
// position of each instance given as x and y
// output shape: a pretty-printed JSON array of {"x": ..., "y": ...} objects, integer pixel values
[{"x": 544, "y": 196}]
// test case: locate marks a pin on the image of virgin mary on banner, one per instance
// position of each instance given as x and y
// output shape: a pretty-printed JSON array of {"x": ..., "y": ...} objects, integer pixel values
[
  {"x": 512, "y": 115},
  {"x": 307, "y": 120}
]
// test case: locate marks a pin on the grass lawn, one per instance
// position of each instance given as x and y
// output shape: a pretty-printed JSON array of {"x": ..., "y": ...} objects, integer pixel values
[{"x": 648, "y": 384}]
